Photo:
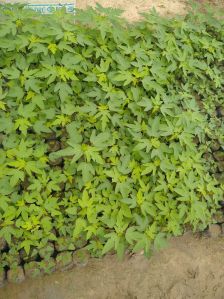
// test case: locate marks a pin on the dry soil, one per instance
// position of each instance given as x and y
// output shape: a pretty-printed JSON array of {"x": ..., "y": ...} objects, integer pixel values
[
  {"x": 132, "y": 8},
  {"x": 191, "y": 267}
]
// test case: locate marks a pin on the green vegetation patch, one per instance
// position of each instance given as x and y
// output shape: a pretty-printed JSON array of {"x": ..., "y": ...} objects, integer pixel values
[{"x": 106, "y": 131}]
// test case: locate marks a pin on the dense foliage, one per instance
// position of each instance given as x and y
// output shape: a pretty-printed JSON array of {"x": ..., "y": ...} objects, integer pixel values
[{"x": 105, "y": 128}]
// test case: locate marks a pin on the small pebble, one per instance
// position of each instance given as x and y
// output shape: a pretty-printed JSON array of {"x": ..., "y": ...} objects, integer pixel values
[
  {"x": 214, "y": 230},
  {"x": 16, "y": 275}
]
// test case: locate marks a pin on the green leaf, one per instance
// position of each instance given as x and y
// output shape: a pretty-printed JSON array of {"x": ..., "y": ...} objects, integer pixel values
[
  {"x": 17, "y": 175},
  {"x": 108, "y": 246},
  {"x": 73, "y": 132},
  {"x": 101, "y": 141},
  {"x": 87, "y": 170},
  {"x": 132, "y": 235},
  {"x": 160, "y": 241},
  {"x": 80, "y": 225},
  {"x": 71, "y": 211}
]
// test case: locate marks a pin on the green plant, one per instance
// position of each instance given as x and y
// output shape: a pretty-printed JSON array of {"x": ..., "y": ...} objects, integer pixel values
[{"x": 98, "y": 122}]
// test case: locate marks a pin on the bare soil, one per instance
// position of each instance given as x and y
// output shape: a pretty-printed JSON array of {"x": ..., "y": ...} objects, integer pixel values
[
  {"x": 132, "y": 8},
  {"x": 190, "y": 267}
]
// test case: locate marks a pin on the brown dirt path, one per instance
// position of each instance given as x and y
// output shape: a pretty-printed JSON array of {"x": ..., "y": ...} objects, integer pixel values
[{"x": 190, "y": 267}]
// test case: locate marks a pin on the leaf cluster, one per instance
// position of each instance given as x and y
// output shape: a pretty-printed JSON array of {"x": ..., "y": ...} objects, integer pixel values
[{"x": 98, "y": 122}]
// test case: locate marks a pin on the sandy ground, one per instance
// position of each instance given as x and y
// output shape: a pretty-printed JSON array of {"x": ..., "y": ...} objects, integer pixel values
[
  {"x": 133, "y": 7},
  {"x": 191, "y": 267}
]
